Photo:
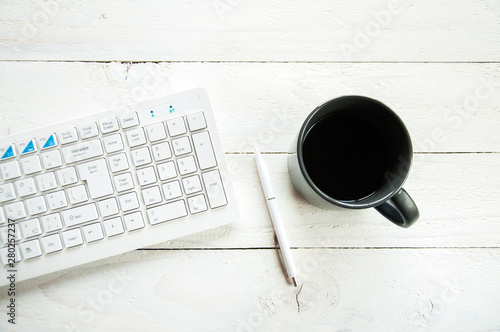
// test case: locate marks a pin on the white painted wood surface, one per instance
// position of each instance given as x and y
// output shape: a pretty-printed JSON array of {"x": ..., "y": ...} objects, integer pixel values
[
  {"x": 265, "y": 66},
  {"x": 242, "y": 30}
]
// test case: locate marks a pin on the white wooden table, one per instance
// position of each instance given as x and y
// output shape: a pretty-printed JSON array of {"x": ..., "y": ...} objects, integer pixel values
[{"x": 266, "y": 65}]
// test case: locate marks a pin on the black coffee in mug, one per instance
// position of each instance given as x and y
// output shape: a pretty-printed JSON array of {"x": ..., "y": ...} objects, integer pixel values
[
  {"x": 354, "y": 152},
  {"x": 352, "y": 147}
]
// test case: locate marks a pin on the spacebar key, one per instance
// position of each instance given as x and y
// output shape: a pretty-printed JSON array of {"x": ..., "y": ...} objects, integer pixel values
[
  {"x": 167, "y": 212},
  {"x": 79, "y": 215}
]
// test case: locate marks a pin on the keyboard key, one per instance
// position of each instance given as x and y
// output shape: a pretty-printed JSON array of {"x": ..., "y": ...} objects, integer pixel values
[
  {"x": 15, "y": 210},
  {"x": 82, "y": 151},
  {"x": 48, "y": 141},
  {"x": 109, "y": 125},
  {"x": 181, "y": 146},
  {"x": 192, "y": 184},
  {"x": 96, "y": 174},
  {"x": 215, "y": 189},
  {"x": 204, "y": 150},
  {"x": 25, "y": 187},
  {"x": 46, "y": 181},
  {"x": 129, "y": 120},
  {"x": 118, "y": 162},
  {"x": 176, "y": 127},
  {"x": 3, "y": 218},
  {"x": 123, "y": 182},
  {"x": 172, "y": 190},
  {"x": 51, "y": 159},
  {"x": 10, "y": 170},
  {"x": 30, "y": 227},
  {"x": 151, "y": 195},
  {"x": 161, "y": 151},
  {"x": 88, "y": 131},
  {"x": 108, "y": 207},
  {"x": 51, "y": 222},
  {"x": 67, "y": 176},
  {"x": 146, "y": 176},
  {"x": 136, "y": 137},
  {"x": 113, "y": 143},
  {"x": 196, "y": 121},
  {"x": 31, "y": 164},
  {"x": 156, "y": 132},
  {"x": 31, "y": 249},
  {"x": 133, "y": 221},
  {"x": 51, "y": 243},
  {"x": 5, "y": 235},
  {"x": 57, "y": 200},
  {"x": 141, "y": 156},
  {"x": 166, "y": 170},
  {"x": 5, "y": 255},
  {"x": 167, "y": 212},
  {"x": 129, "y": 201},
  {"x": 197, "y": 204},
  {"x": 186, "y": 165},
  {"x": 72, "y": 238},
  {"x": 7, "y": 152},
  {"x": 7, "y": 192},
  {"x": 36, "y": 205},
  {"x": 93, "y": 232},
  {"x": 79, "y": 215},
  {"x": 68, "y": 136},
  {"x": 77, "y": 194},
  {"x": 27, "y": 146},
  {"x": 113, "y": 226}
]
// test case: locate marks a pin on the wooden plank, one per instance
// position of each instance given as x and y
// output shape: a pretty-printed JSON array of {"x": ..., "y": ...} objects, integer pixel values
[
  {"x": 456, "y": 195},
  {"x": 445, "y": 106},
  {"x": 238, "y": 30},
  {"x": 245, "y": 290}
]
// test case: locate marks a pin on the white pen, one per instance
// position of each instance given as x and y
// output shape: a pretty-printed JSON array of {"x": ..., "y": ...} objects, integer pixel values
[{"x": 279, "y": 229}]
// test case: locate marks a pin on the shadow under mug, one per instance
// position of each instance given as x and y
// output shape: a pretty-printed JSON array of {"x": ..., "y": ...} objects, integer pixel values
[{"x": 354, "y": 152}]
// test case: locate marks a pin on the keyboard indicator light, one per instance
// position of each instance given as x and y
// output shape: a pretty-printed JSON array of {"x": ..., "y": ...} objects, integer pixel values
[{"x": 163, "y": 110}]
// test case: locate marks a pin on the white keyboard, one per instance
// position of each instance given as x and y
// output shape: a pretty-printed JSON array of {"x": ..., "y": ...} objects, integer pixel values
[{"x": 109, "y": 183}]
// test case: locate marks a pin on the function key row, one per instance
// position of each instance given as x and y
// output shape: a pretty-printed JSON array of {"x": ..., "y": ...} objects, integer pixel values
[
  {"x": 155, "y": 132},
  {"x": 62, "y": 137}
]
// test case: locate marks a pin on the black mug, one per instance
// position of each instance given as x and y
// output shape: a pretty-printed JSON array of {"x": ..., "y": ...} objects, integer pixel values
[{"x": 354, "y": 152}]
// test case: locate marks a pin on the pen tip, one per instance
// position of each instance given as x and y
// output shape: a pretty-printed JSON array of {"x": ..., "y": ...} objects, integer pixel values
[{"x": 295, "y": 282}]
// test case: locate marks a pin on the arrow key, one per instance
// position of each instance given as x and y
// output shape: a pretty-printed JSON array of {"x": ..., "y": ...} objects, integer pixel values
[{"x": 93, "y": 232}]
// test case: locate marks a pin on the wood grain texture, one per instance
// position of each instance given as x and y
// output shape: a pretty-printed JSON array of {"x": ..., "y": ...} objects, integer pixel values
[
  {"x": 240, "y": 30},
  {"x": 244, "y": 290}
]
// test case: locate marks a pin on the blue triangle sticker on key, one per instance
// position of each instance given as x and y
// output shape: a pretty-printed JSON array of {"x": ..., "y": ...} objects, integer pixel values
[
  {"x": 50, "y": 142},
  {"x": 8, "y": 153},
  {"x": 30, "y": 147}
]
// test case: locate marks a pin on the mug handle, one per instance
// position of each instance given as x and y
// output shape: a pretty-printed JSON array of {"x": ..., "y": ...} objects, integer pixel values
[{"x": 400, "y": 209}]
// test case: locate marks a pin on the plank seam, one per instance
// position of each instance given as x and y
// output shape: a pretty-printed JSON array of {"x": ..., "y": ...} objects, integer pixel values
[
  {"x": 250, "y": 61},
  {"x": 314, "y": 248}
]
